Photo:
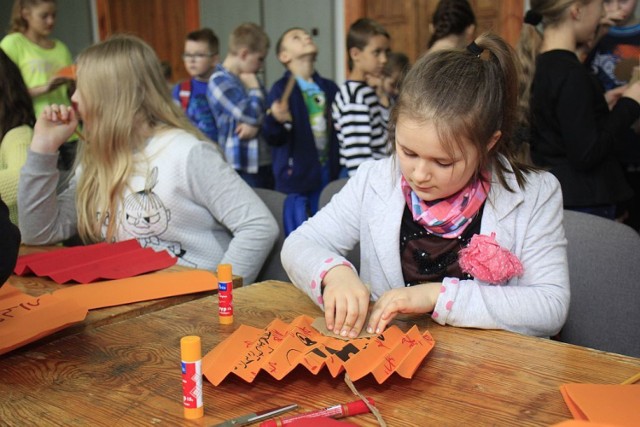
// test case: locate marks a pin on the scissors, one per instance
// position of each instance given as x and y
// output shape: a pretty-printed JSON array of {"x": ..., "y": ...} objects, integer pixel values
[{"x": 254, "y": 417}]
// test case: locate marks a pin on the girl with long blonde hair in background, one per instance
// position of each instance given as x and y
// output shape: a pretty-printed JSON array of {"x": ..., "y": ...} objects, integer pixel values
[{"x": 144, "y": 171}]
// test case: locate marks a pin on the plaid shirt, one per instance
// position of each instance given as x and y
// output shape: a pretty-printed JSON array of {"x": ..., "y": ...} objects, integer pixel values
[{"x": 231, "y": 105}]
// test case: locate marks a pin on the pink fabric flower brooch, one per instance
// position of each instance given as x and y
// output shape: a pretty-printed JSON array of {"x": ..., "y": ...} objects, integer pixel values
[{"x": 486, "y": 260}]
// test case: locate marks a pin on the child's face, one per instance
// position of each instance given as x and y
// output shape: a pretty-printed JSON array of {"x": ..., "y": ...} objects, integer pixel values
[
  {"x": 199, "y": 61},
  {"x": 626, "y": 7},
  {"x": 371, "y": 59},
  {"x": 390, "y": 83},
  {"x": 78, "y": 104},
  {"x": 40, "y": 18},
  {"x": 586, "y": 26},
  {"x": 430, "y": 171},
  {"x": 296, "y": 43},
  {"x": 252, "y": 62}
]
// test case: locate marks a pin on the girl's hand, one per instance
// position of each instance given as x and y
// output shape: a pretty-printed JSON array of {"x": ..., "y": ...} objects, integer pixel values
[
  {"x": 346, "y": 301},
  {"x": 280, "y": 111},
  {"x": 246, "y": 131},
  {"x": 613, "y": 95},
  {"x": 54, "y": 126},
  {"x": 410, "y": 300},
  {"x": 633, "y": 91}
]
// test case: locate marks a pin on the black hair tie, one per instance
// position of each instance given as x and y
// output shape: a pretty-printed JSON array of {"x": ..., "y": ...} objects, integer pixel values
[
  {"x": 532, "y": 18},
  {"x": 474, "y": 49}
]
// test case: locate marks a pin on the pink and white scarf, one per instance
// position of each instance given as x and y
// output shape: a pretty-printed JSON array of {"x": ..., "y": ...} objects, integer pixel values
[{"x": 448, "y": 217}]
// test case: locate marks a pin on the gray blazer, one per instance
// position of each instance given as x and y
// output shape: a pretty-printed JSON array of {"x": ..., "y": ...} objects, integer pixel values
[{"x": 369, "y": 210}]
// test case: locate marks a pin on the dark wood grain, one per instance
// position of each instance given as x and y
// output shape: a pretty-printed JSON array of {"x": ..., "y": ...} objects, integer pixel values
[{"x": 128, "y": 373}]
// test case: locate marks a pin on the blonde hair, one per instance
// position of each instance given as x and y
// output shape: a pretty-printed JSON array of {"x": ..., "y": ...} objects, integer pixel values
[
  {"x": 17, "y": 24},
  {"x": 123, "y": 93},
  {"x": 549, "y": 13},
  {"x": 250, "y": 36},
  {"x": 467, "y": 95}
]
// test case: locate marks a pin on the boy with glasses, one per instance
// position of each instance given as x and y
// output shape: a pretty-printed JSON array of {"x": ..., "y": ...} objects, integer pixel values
[{"x": 200, "y": 58}]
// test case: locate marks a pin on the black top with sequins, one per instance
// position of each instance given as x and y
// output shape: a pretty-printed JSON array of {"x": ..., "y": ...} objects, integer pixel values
[{"x": 429, "y": 258}]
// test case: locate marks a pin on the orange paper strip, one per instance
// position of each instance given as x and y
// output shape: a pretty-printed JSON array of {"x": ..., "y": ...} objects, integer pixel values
[
  {"x": 140, "y": 288},
  {"x": 603, "y": 403},
  {"x": 24, "y": 319},
  {"x": 281, "y": 347}
]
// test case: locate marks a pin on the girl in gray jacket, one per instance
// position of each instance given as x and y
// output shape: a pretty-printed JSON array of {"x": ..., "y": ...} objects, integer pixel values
[{"x": 452, "y": 225}]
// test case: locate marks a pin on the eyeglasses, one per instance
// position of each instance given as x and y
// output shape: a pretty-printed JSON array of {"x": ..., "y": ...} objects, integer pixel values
[{"x": 186, "y": 56}]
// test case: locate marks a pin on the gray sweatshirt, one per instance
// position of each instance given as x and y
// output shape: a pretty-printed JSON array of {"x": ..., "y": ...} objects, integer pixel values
[{"x": 183, "y": 197}]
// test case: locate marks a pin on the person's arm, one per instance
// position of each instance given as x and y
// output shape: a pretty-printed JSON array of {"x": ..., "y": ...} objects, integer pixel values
[
  {"x": 313, "y": 256},
  {"x": 236, "y": 206},
  {"x": 246, "y": 106},
  {"x": 589, "y": 139},
  {"x": 539, "y": 303},
  {"x": 274, "y": 130},
  {"x": 15, "y": 145},
  {"x": 45, "y": 218},
  {"x": 9, "y": 244},
  {"x": 352, "y": 124}
]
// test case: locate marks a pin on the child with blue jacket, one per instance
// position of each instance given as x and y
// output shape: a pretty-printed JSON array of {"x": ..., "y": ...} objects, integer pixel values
[
  {"x": 299, "y": 129},
  {"x": 200, "y": 58}
]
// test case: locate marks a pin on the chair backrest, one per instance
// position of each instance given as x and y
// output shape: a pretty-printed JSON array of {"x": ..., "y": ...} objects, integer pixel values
[
  {"x": 325, "y": 197},
  {"x": 272, "y": 268},
  {"x": 604, "y": 270},
  {"x": 332, "y": 188}
]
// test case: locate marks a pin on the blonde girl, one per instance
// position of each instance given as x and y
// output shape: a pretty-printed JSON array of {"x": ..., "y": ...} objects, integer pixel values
[
  {"x": 573, "y": 133},
  {"x": 140, "y": 146},
  {"x": 452, "y": 185}
]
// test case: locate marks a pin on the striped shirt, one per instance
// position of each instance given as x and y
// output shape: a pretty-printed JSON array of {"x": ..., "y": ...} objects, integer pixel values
[{"x": 361, "y": 124}]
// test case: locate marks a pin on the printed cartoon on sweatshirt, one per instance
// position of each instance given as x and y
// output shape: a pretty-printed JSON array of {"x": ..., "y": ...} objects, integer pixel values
[{"x": 146, "y": 218}]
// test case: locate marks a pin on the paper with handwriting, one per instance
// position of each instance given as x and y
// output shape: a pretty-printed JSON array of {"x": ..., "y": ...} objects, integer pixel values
[{"x": 281, "y": 347}]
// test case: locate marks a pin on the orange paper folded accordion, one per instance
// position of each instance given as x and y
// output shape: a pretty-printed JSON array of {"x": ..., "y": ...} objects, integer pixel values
[{"x": 281, "y": 347}]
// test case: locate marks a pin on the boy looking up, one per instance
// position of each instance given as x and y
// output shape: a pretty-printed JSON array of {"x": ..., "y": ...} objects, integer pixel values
[
  {"x": 200, "y": 58},
  {"x": 237, "y": 100},
  {"x": 361, "y": 109},
  {"x": 304, "y": 146}
]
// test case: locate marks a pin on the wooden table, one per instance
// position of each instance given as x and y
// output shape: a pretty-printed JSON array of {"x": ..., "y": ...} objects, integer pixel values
[
  {"x": 37, "y": 286},
  {"x": 128, "y": 373}
]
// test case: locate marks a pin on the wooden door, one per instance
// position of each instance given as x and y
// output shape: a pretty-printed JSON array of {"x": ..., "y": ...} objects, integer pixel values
[
  {"x": 407, "y": 21},
  {"x": 163, "y": 24}
]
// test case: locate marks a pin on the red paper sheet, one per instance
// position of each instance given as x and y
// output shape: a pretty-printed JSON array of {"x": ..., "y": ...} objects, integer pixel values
[
  {"x": 614, "y": 404},
  {"x": 101, "y": 261},
  {"x": 281, "y": 347}
]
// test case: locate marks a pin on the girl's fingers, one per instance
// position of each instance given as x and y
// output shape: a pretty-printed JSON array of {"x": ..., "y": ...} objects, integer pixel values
[{"x": 341, "y": 314}]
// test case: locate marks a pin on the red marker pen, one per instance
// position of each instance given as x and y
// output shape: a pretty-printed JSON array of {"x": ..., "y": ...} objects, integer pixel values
[
  {"x": 225, "y": 294},
  {"x": 337, "y": 411}
]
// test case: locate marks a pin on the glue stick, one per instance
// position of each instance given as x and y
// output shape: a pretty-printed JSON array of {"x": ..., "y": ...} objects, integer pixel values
[
  {"x": 191, "y": 354},
  {"x": 225, "y": 294}
]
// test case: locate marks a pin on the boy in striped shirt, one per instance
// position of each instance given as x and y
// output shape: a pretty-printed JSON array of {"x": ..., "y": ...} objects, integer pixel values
[{"x": 361, "y": 108}]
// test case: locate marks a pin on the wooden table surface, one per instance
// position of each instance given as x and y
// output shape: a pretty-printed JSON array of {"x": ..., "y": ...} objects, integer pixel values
[
  {"x": 36, "y": 286},
  {"x": 128, "y": 373}
]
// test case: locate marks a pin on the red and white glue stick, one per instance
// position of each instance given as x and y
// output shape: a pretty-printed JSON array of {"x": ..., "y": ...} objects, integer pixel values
[
  {"x": 225, "y": 294},
  {"x": 191, "y": 355},
  {"x": 336, "y": 411}
]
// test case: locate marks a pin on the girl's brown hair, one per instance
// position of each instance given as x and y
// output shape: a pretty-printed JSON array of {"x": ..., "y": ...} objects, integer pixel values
[
  {"x": 467, "y": 95},
  {"x": 16, "y": 106}
]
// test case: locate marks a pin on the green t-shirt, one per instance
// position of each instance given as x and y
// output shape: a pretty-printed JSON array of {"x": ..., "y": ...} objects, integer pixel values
[{"x": 38, "y": 65}]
